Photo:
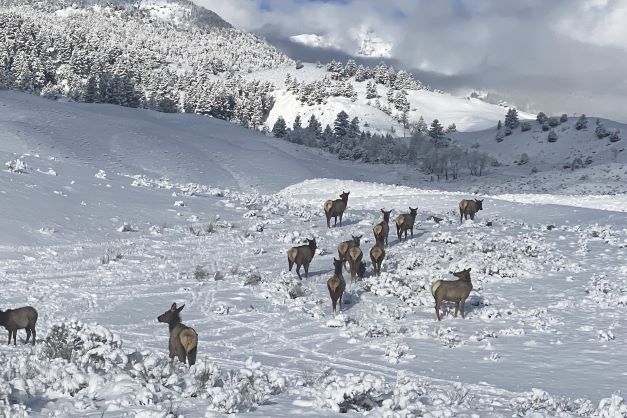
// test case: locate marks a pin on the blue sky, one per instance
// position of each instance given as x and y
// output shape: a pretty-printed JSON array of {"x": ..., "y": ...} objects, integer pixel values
[{"x": 551, "y": 55}]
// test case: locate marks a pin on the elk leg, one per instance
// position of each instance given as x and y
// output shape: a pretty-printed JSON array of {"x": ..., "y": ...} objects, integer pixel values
[
  {"x": 456, "y": 308},
  {"x": 306, "y": 270},
  {"x": 182, "y": 355},
  {"x": 14, "y": 337},
  {"x": 472, "y": 216},
  {"x": 32, "y": 328},
  {"x": 298, "y": 271},
  {"x": 9, "y": 337},
  {"x": 412, "y": 232},
  {"x": 27, "y": 335},
  {"x": 437, "y": 310},
  {"x": 462, "y": 303},
  {"x": 290, "y": 264},
  {"x": 341, "y": 216}
]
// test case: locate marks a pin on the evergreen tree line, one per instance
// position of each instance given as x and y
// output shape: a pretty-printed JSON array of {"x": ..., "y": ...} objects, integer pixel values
[
  {"x": 106, "y": 56},
  {"x": 429, "y": 150}
]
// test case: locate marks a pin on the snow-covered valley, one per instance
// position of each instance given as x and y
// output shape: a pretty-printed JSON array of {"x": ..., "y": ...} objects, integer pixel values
[{"x": 210, "y": 210}]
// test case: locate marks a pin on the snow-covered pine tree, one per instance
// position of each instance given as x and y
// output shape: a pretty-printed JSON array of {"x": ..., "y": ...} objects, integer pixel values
[
  {"x": 436, "y": 131},
  {"x": 313, "y": 126},
  {"x": 542, "y": 118},
  {"x": 511, "y": 119},
  {"x": 341, "y": 125},
  {"x": 451, "y": 128},
  {"x": 499, "y": 125},
  {"x": 582, "y": 122},
  {"x": 279, "y": 130},
  {"x": 371, "y": 90}
]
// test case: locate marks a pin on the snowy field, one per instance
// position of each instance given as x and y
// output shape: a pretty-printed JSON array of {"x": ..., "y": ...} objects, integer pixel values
[{"x": 210, "y": 211}]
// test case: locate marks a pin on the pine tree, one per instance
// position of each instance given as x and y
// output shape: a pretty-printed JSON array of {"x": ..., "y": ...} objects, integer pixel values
[
  {"x": 353, "y": 130},
  {"x": 297, "y": 123},
  {"x": 542, "y": 118},
  {"x": 350, "y": 69},
  {"x": 341, "y": 125},
  {"x": 451, "y": 128},
  {"x": 499, "y": 125},
  {"x": 313, "y": 126},
  {"x": 371, "y": 90},
  {"x": 511, "y": 119},
  {"x": 436, "y": 131},
  {"x": 422, "y": 126},
  {"x": 279, "y": 130}
]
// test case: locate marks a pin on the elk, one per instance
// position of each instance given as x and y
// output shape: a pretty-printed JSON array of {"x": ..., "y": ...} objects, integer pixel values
[
  {"x": 382, "y": 229},
  {"x": 344, "y": 246},
  {"x": 20, "y": 318},
  {"x": 469, "y": 207},
  {"x": 302, "y": 256},
  {"x": 354, "y": 261},
  {"x": 183, "y": 339},
  {"x": 405, "y": 222},
  {"x": 453, "y": 291},
  {"x": 336, "y": 285},
  {"x": 377, "y": 254},
  {"x": 335, "y": 208}
]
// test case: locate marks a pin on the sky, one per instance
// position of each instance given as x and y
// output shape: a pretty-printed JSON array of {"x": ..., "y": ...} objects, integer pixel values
[{"x": 542, "y": 55}]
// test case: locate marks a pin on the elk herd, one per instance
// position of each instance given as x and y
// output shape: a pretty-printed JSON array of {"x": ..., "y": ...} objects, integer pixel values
[
  {"x": 456, "y": 291},
  {"x": 183, "y": 340}
]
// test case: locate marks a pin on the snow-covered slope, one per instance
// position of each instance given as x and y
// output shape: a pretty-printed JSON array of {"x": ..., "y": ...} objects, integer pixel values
[
  {"x": 468, "y": 114},
  {"x": 571, "y": 144},
  {"x": 211, "y": 209}
]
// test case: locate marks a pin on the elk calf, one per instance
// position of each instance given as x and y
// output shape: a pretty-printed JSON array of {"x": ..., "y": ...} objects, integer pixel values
[
  {"x": 405, "y": 222},
  {"x": 377, "y": 254},
  {"x": 453, "y": 291},
  {"x": 20, "y": 318},
  {"x": 302, "y": 256},
  {"x": 342, "y": 249},
  {"x": 336, "y": 285},
  {"x": 336, "y": 208},
  {"x": 354, "y": 261},
  {"x": 382, "y": 229},
  {"x": 183, "y": 339},
  {"x": 469, "y": 207}
]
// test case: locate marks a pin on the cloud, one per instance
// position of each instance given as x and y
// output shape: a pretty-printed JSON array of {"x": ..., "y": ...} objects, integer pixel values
[{"x": 556, "y": 56}]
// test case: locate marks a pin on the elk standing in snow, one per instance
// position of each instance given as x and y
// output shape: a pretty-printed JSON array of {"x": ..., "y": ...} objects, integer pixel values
[
  {"x": 344, "y": 246},
  {"x": 405, "y": 222},
  {"x": 183, "y": 339},
  {"x": 20, "y": 318},
  {"x": 302, "y": 256},
  {"x": 354, "y": 260},
  {"x": 336, "y": 208},
  {"x": 453, "y": 291},
  {"x": 377, "y": 254},
  {"x": 382, "y": 229},
  {"x": 469, "y": 207},
  {"x": 336, "y": 285}
]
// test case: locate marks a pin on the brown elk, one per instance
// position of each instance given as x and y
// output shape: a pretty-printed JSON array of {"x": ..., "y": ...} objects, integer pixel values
[
  {"x": 183, "y": 339},
  {"x": 336, "y": 285},
  {"x": 344, "y": 246},
  {"x": 405, "y": 222},
  {"x": 335, "y": 208},
  {"x": 382, "y": 229},
  {"x": 302, "y": 256},
  {"x": 469, "y": 208},
  {"x": 377, "y": 254},
  {"x": 453, "y": 291},
  {"x": 354, "y": 257},
  {"x": 20, "y": 318}
]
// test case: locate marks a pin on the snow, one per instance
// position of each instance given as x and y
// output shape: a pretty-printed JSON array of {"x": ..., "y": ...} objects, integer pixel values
[{"x": 544, "y": 324}]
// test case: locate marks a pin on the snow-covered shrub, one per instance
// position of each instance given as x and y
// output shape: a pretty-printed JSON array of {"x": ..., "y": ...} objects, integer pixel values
[
  {"x": 508, "y": 131},
  {"x": 88, "y": 346},
  {"x": 552, "y": 137},
  {"x": 615, "y": 136},
  {"x": 564, "y": 118},
  {"x": 362, "y": 392},
  {"x": 545, "y": 127},
  {"x": 601, "y": 132},
  {"x": 553, "y": 121},
  {"x": 540, "y": 401},
  {"x": 576, "y": 164},
  {"x": 17, "y": 166},
  {"x": 499, "y": 136},
  {"x": 524, "y": 159},
  {"x": 245, "y": 389},
  {"x": 525, "y": 126}
]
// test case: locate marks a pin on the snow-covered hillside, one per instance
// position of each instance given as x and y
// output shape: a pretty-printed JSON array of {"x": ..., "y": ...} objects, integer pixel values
[
  {"x": 468, "y": 114},
  {"x": 210, "y": 210}
]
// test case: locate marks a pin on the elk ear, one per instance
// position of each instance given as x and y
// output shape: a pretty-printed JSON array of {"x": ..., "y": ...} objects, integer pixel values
[
  {"x": 173, "y": 307},
  {"x": 468, "y": 270},
  {"x": 180, "y": 308}
]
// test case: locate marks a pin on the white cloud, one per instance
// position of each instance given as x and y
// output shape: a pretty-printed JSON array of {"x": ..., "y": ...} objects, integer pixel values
[{"x": 560, "y": 54}]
